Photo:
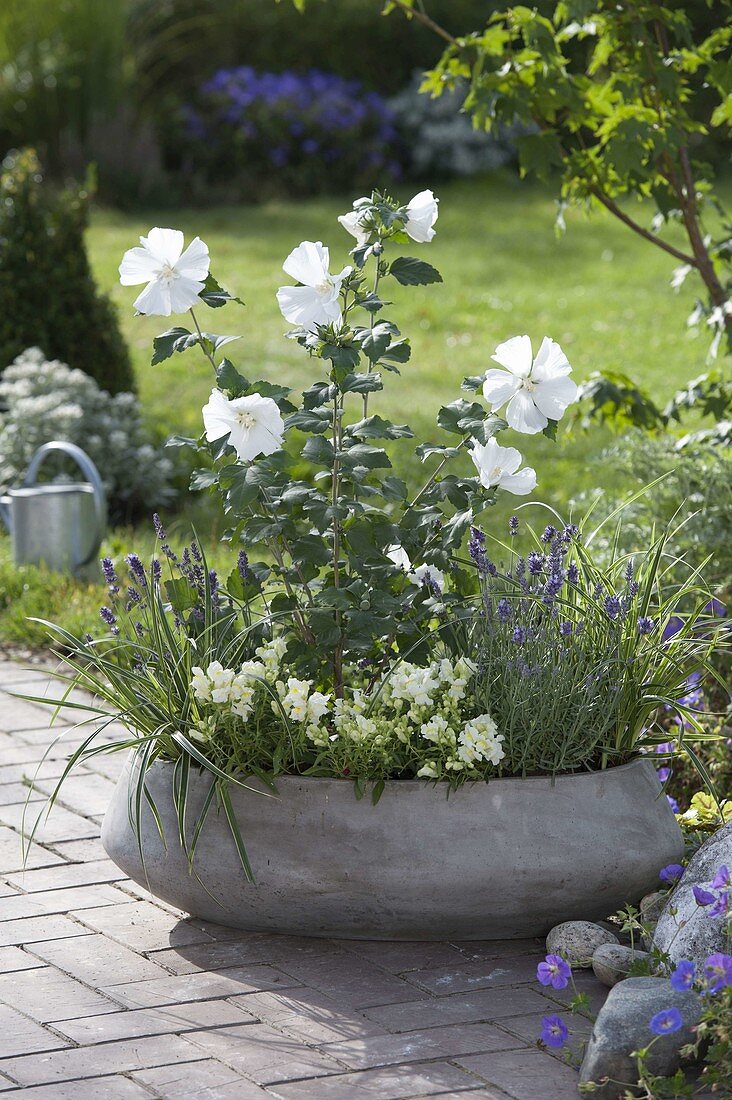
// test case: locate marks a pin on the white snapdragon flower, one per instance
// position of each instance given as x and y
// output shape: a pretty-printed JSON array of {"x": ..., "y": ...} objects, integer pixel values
[
  {"x": 174, "y": 278},
  {"x": 294, "y": 696},
  {"x": 437, "y": 730},
  {"x": 252, "y": 670},
  {"x": 253, "y": 423},
  {"x": 271, "y": 653},
  {"x": 537, "y": 390},
  {"x": 427, "y": 771},
  {"x": 317, "y": 300},
  {"x": 318, "y": 706},
  {"x": 200, "y": 684},
  {"x": 422, "y": 215},
  {"x": 221, "y": 680},
  {"x": 413, "y": 685},
  {"x": 480, "y": 740},
  {"x": 499, "y": 467}
]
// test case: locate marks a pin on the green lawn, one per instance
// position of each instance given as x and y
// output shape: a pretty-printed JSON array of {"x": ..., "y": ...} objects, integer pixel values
[{"x": 598, "y": 290}]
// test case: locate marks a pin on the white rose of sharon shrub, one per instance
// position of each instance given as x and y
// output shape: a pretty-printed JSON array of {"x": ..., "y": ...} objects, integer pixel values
[
  {"x": 335, "y": 645},
  {"x": 174, "y": 278},
  {"x": 537, "y": 390}
]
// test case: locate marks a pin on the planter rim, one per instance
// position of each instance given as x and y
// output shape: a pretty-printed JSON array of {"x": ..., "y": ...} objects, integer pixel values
[{"x": 636, "y": 762}]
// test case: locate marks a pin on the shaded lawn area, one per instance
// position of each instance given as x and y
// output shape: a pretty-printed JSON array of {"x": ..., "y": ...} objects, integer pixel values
[{"x": 599, "y": 290}]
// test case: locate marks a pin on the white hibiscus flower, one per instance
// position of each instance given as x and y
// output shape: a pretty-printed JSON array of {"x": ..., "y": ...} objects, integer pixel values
[
  {"x": 499, "y": 466},
  {"x": 422, "y": 215},
  {"x": 253, "y": 423},
  {"x": 423, "y": 574},
  {"x": 352, "y": 224},
  {"x": 317, "y": 301},
  {"x": 537, "y": 390},
  {"x": 174, "y": 278}
]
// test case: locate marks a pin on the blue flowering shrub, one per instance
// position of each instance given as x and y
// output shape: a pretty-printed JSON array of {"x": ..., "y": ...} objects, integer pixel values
[{"x": 255, "y": 134}]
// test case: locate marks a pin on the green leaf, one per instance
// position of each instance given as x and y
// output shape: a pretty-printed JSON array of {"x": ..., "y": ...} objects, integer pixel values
[
  {"x": 412, "y": 272},
  {"x": 373, "y": 458},
  {"x": 461, "y": 417},
  {"x": 215, "y": 296},
  {"x": 374, "y": 427},
  {"x": 175, "y": 339},
  {"x": 229, "y": 380},
  {"x": 375, "y": 341},
  {"x": 310, "y": 420},
  {"x": 362, "y": 383},
  {"x": 203, "y": 479},
  {"x": 424, "y": 450},
  {"x": 319, "y": 450},
  {"x": 240, "y": 487},
  {"x": 181, "y": 595},
  {"x": 318, "y": 394}
]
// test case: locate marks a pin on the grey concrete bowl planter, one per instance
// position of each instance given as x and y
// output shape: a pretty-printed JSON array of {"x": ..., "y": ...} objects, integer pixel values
[{"x": 496, "y": 860}]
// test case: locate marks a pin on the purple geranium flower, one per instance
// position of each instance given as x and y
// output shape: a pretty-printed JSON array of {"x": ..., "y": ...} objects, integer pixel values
[
  {"x": 671, "y": 873},
  {"x": 722, "y": 878},
  {"x": 703, "y": 897},
  {"x": 663, "y": 774},
  {"x": 718, "y": 971},
  {"x": 666, "y": 1022},
  {"x": 684, "y": 974},
  {"x": 721, "y": 906},
  {"x": 554, "y": 1031},
  {"x": 673, "y": 803},
  {"x": 554, "y": 971},
  {"x": 672, "y": 627}
]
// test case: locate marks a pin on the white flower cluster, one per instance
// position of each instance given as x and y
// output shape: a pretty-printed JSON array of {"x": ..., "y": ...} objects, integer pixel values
[
  {"x": 303, "y": 705},
  {"x": 235, "y": 690},
  {"x": 411, "y": 687}
]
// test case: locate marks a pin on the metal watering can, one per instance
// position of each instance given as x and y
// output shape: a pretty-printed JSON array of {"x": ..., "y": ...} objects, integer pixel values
[{"x": 61, "y": 526}]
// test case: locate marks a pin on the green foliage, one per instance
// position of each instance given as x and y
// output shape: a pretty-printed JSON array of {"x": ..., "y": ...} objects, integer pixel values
[
  {"x": 692, "y": 495},
  {"x": 48, "y": 297},
  {"x": 619, "y": 98}
]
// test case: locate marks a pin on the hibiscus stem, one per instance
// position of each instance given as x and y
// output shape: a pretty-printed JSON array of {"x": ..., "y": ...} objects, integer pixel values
[
  {"x": 377, "y": 276},
  {"x": 208, "y": 354},
  {"x": 435, "y": 474},
  {"x": 335, "y": 493}
]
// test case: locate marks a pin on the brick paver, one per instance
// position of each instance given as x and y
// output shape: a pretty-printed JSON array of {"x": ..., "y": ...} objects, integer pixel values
[{"x": 107, "y": 993}]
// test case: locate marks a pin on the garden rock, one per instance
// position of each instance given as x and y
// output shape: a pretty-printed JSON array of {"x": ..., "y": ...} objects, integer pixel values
[
  {"x": 685, "y": 930},
  {"x": 651, "y": 906},
  {"x": 622, "y": 1026},
  {"x": 577, "y": 940},
  {"x": 611, "y": 962}
]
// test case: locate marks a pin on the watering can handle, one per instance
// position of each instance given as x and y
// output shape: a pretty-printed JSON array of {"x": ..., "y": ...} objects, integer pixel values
[{"x": 91, "y": 472}]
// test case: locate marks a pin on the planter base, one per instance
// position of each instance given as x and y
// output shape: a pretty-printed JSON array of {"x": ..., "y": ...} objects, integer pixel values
[{"x": 498, "y": 860}]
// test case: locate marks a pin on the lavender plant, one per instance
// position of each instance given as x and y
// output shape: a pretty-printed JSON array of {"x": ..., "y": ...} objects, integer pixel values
[{"x": 583, "y": 658}]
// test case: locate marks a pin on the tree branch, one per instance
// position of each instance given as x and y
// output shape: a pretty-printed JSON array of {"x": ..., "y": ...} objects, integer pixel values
[
  {"x": 423, "y": 18},
  {"x": 613, "y": 207}
]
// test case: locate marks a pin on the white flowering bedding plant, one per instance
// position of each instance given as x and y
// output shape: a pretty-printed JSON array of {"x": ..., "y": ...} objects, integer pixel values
[{"x": 341, "y": 650}]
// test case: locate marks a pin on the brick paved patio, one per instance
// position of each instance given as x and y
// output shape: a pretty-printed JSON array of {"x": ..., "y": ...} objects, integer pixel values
[{"x": 106, "y": 992}]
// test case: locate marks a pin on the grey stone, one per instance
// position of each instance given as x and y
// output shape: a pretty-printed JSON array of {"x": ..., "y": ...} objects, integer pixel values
[
  {"x": 611, "y": 962},
  {"x": 622, "y": 1027},
  {"x": 684, "y": 929},
  {"x": 652, "y": 905},
  {"x": 577, "y": 940},
  {"x": 503, "y": 859}
]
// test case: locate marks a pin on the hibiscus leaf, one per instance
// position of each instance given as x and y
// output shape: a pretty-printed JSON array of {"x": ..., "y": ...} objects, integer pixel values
[
  {"x": 424, "y": 450},
  {"x": 203, "y": 479},
  {"x": 461, "y": 417},
  {"x": 319, "y": 450},
  {"x": 229, "y": 380},
  {"x": 362, "y": 383},
  {"x": 455, "y": 528},
  {"x": 473, "y": 384},
  {"x": 318, "y": 394},
  {"x": 214, "y": 295},
  {"x": 550, "y": 431},
  {"x": 361, "y": 454},
  {"x": 375, "y": 427},
  {"x": 412, "y": 272},
  {"x": 310, "y": 420},
  {"x": 169, "y": 342}
]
